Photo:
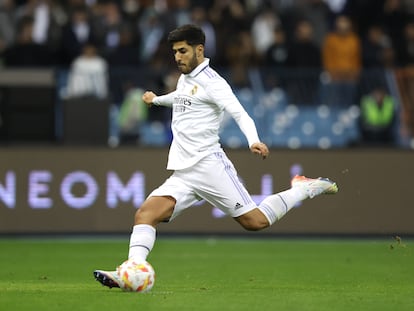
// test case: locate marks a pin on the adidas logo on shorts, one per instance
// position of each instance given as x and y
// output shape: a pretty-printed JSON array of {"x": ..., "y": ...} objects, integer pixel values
[{"x": 238, "y": 205}]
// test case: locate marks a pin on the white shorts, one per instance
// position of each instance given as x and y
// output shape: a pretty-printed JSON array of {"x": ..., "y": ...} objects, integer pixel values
[{"x": 213, "y": 179}]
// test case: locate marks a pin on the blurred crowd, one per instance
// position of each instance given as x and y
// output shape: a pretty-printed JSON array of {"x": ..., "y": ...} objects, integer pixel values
[
  {"x": 338, "y": 38},
  {"x": 339, "y": 35}
]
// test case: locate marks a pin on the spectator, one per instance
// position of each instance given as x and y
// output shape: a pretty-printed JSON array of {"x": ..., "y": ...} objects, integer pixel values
[
  {"x": 377, "y": 55},
  {"x": 408, "y": 7},
  {"x": 275, "y": 61},
  {"x": 377, "y": 50},
  {"x": 317, "y": 12},
  {"x": 231, "y": 18},
  {"x": 305, "y": 59},
  {"x": 263, "y": 29},
  {"x": 341, "y": 58},
  {"x": 319, "y": 15},
  {"x": 277, "y": 53},
  {"x": 127, "y": 52},
  {"x": 7, "y": 24},
  {"x": 132, "y": 113},
  {"x": 131, "y": 9},
  {"x": 76, "y": 33},
  {"x": 88, "y": 75},
  {"x": 151, "y": 30},
  {"x": 199, "y": 17},
  {"x": 405, "y": 79},
  {"x": 25, "y": 52},
  {"x": 205, "y": 4},
  {"x": 303, "y": 52},
  {"x": 341, "y": 52},
  {"x": 108, "y": 27},
  {"x": 407, "y": 49},
  {"x": 377, "y": 117},
  {"x": 337, "y": 6},
  {"x": 48, "y": 20},
  {"x": 179, "y": 13},
  {"x": 393, "y": 18},
  {"x": 364, "y": 13},
  {"x": 241, "y": 55}
]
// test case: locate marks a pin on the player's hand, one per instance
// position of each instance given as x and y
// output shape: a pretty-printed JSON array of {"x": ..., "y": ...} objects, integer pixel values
[
  {"x": 148, "y": 97},
  {"x": 260, "y": 149}
]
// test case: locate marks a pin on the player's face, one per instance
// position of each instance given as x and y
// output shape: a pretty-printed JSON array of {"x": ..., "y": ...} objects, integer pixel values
[{"x": 186, "y": 56}]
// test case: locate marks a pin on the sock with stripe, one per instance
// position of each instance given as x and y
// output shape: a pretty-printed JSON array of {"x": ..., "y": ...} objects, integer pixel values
[
  {"x": 141, "y": 241},
  {"x": 277, "y": 205}
]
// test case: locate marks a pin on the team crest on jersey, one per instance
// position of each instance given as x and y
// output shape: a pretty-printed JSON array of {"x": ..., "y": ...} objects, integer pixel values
[{"x": 194, "y": 90}]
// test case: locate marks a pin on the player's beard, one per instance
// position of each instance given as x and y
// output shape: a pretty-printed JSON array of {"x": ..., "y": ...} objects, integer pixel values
[{"x": 193, "y": 63}]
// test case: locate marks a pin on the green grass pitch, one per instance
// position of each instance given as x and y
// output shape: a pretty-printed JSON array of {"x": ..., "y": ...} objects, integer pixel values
[{"x": 212, "y": 274}]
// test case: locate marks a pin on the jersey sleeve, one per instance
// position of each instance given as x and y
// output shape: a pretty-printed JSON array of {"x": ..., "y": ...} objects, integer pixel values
[
  {"x": 164, "y": 100},
  {"x": 222, "y": 94}
]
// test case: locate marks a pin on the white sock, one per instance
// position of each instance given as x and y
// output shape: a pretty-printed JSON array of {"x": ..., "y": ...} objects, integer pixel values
[
  {"x": 277, "y": 205},
  {"x": 141, "y": 241}
]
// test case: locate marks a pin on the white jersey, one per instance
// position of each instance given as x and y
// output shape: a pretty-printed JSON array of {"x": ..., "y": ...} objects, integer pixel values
[{"x": 198, "y": 106}]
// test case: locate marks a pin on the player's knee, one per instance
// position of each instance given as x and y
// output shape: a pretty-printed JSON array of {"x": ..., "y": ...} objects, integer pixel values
[
  {"x": 140, "y": 215},
  {"x": 253, "y": 220},
  {"x": 253, "y": 224},
  {"x": 154, "y": 210},
  {"x": 145, "y": 215}
]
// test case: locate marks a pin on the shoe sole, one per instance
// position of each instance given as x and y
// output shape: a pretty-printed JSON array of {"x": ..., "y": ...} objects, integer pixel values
[{"x": 104, "y": 279}]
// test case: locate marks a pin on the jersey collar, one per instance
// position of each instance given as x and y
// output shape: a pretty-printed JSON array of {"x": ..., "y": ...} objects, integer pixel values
[{"x": 200, "y": 68}]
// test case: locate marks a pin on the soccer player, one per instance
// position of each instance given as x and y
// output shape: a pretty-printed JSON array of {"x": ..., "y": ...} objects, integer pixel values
[{"x": 201, "y": 169}]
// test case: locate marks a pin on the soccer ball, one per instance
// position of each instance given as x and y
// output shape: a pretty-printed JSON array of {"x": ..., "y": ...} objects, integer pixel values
[{"x": 136, "y": 276}]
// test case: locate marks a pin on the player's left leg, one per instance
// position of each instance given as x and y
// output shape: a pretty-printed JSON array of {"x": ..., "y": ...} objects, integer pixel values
[
  {"x": 107, "y": 278},
  {"x": 163, "y": 204},
  {"x": 154, "y": 210}
]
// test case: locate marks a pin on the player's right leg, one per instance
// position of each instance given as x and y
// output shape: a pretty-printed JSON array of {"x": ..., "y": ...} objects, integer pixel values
[{"x": 153, "y": 211}]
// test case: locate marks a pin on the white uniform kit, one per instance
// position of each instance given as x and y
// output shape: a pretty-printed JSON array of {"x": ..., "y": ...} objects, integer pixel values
[{"x": 201, "y": 168}]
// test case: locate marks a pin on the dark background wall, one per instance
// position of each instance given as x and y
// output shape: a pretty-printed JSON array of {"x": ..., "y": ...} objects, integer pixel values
[{"x": 27, "y": 105}]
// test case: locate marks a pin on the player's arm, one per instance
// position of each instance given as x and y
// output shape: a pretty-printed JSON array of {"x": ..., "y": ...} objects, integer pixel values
[
  {"x": 150, "y": 98},
  {"x": 224, "y": 97},
  {"x": 248, "y": 128},
  {"x": 260, "y": 149}
]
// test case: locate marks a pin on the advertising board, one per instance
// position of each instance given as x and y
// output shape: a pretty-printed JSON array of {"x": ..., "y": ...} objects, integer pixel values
[{"x": 97, "y": 190}]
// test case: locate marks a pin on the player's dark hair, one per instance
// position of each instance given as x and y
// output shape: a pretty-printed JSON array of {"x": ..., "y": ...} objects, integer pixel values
[{"x": 193, "y": 34}]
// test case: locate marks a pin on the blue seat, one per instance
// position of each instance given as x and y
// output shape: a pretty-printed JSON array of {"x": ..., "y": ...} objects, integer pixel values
[{"x": 154, "y": 134}]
